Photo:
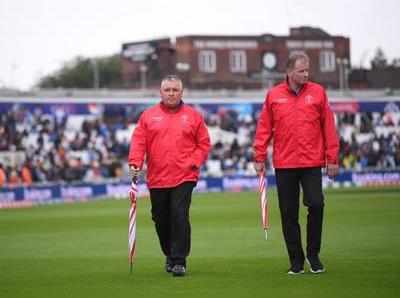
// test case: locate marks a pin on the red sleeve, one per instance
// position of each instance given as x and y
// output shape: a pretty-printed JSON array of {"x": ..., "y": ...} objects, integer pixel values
[
  {"x": 331, "y": 139},
  {"x": 137, "y": 148},
  {"x": 203, "y": 144},
  {"x": 263, "y": 131}
]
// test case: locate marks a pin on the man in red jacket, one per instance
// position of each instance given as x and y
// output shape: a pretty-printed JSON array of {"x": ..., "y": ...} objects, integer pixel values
[
  {"x": 297, "y": 116},
  {"x": 175, "y": 141}
]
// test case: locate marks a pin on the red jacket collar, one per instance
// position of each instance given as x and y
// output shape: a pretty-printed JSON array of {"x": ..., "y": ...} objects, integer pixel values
[
  {"x": 291, "y": 90},
  {"x": 168, "y": 110}
]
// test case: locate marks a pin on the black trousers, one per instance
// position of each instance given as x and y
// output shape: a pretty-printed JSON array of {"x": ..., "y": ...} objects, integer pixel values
[
  {"x": 288, "y": 185},
  {"x": 170, "y": 213}
]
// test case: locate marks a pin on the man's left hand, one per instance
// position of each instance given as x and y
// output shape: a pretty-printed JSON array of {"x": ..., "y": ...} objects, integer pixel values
[
  {"x": 332, "y": 170},
  {"x": 134, "y": 172}
]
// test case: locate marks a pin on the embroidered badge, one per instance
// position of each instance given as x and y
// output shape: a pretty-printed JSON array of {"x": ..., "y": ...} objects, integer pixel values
[
  {"x": 184, "y": 118},
  {"x": 308, "y": 99}
]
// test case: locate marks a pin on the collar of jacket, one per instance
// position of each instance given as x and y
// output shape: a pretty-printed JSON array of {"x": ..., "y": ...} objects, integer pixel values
[
  {"x": 291, "y": 90},
  {"x": 174, "y": 110}
]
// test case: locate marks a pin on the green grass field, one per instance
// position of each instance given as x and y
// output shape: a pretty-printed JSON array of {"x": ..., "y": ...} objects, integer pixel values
[{"x": 80, "y": 250}]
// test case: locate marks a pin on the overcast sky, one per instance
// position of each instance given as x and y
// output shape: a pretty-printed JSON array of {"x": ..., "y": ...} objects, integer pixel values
[{"x": 37, "y": 36}]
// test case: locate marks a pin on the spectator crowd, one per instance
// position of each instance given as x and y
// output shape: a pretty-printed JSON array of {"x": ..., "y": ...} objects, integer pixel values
[{"x": 57, "y": 147}]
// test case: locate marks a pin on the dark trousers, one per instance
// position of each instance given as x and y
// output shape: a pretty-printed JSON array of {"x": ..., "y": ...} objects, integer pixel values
[
  {"x": 288, "y": 185},
  {"x": 170, "y": 213}
]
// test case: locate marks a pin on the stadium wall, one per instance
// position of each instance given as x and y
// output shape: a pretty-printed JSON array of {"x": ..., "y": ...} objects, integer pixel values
[{"x": 21, "y": 197}]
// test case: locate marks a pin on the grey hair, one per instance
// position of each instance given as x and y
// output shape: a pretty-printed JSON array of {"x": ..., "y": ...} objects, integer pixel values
[
  {"x": 172, "y": 77},
  {"x": 294, "y": 57}
]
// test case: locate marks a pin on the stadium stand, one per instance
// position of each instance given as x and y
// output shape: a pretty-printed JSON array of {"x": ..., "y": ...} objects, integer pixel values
[{"x": 43, "y": 144}]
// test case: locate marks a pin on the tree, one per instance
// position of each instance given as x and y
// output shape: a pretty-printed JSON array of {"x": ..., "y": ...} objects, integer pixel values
[
  {"x": 379, "y": 60},
  {"x": 83, "y": 72},
  {"x": 396, "y": 62},
  {"x": 110, "y": 71}
]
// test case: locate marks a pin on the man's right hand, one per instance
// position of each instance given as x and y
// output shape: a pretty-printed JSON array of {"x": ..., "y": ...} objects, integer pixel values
[
  {"x": 259, "y": 167},
  {"x": 332, "y": 170},
  {"x": 134, "y": 171}
]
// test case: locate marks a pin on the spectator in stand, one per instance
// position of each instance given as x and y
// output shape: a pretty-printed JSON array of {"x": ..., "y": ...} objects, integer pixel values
[
  {"x": 75, "y": 171},
  {"x": 3, "y": 176},
  {"x": 4, "y": 145},
  {"x": 13, "y": 178},
  {"x": 94, "y": 173},
  {"x": 26, "y": 174}
]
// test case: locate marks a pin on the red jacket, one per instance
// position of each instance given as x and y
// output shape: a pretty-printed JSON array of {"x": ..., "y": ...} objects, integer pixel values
[
  {"x": 302, "y": 126},
  {"x": 175, "y": 145}
]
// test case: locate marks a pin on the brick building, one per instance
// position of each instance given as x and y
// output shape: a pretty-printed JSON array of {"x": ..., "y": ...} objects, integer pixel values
[{"x": 233, "y": 62}]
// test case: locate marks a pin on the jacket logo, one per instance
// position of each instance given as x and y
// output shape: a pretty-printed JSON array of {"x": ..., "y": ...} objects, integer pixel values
[
  {"x": 156, "y": 118},
  {"x": 184, "y": 118},
  {"x": 308, "y": 99}
]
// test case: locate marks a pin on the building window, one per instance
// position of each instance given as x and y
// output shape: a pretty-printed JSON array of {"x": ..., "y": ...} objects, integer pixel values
[
  {"x": 207, "y": 61},
  {"x": 238, "y": 61},
  {"x": 327, "y": 61}
]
